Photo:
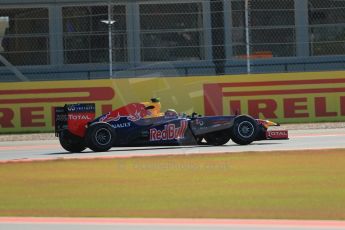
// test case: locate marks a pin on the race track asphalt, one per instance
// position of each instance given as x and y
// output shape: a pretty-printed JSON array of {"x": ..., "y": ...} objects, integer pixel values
[{"x": 51, "y": 149}]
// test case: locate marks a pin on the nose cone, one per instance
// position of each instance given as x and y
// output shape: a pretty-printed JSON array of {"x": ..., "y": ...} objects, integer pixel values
[
  {"x": 267, "y": 123},
  {"x": 271, "y": 123}
]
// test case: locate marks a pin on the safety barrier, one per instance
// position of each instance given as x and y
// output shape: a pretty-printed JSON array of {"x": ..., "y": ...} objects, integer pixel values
[{"x": 285, "y": 98}]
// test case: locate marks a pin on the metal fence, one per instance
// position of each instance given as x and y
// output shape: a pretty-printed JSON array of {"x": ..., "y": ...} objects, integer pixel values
[{"x": 169, "y": 38}]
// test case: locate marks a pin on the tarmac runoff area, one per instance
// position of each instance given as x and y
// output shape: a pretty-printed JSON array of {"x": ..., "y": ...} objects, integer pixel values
[
  {"x": 50, "y": 149},
  {"x": 18, "y": 223}
]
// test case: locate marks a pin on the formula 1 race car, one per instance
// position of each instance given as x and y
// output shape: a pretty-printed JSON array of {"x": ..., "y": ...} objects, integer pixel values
[{"x": 142, "y": 124}]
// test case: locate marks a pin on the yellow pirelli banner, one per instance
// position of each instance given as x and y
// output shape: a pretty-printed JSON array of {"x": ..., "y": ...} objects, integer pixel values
[{"x": 285, "y": 98}]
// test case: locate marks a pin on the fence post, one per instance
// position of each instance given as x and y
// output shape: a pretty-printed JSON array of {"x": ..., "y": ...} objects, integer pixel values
[
  {"x": 110, "y": 23},
  {"x": 302, "y": 31},
  {"x": 228, "y": 29},
  {"x": 206, "y": 10},
  {"x": 247, "y": 24},
  {"x": 56, "y": 35}
]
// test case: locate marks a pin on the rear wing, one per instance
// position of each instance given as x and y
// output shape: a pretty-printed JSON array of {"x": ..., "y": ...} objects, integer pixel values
[
  {"x": 61, "y": 117},
  {"x": 74, "y": 118}
]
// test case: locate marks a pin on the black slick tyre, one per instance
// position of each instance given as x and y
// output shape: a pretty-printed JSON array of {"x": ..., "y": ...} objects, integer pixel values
[
  {"x": 100, "y": 137},
  {"x": 71, "y": 142},
  {"x": 244, "y": 130}
]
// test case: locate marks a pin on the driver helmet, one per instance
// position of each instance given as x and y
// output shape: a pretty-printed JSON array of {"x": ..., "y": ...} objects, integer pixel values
[{"x": 156, "y": 111}]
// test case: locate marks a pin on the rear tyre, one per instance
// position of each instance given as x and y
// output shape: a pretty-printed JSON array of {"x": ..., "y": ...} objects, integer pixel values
[
  {"x": 244, "y": 130},
  {"x": 100, "y": 137},
  {"x": 218, "y": 138},
  {"x": 71, "y": 142}
]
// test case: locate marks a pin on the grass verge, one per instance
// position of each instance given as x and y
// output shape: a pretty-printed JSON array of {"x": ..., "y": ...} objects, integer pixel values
[{"x": 273, "y": 185}]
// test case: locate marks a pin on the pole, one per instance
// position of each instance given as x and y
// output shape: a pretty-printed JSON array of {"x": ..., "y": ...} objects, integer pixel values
[
  {"x": 247, "y": 35},
  {"x": 110, "y": 42}
]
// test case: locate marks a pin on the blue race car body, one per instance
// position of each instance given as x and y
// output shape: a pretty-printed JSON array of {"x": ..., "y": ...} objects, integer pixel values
[{"x": 134, "y": 125}]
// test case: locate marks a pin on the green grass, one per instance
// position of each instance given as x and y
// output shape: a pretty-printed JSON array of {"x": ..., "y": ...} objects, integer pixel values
[{"x": 284, "y": 185}]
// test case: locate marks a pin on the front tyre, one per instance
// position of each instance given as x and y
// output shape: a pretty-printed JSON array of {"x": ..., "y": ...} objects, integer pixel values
[
  {"x": 100, "y": 137},
  {"x": 71, "y": 142},
  {"x": 244, "y": 130}
]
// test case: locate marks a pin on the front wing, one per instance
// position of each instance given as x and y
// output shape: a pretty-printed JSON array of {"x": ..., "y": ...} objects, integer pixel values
[{"x": 277, "y": 135}]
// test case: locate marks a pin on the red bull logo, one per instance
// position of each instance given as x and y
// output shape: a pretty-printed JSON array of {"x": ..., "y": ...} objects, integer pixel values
[
  {"x": 170, "y": 132},
  {"x": 137, "y": 115},
  {"x": 133, "y": 112},
  {"x": 110, "y": 117}
]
